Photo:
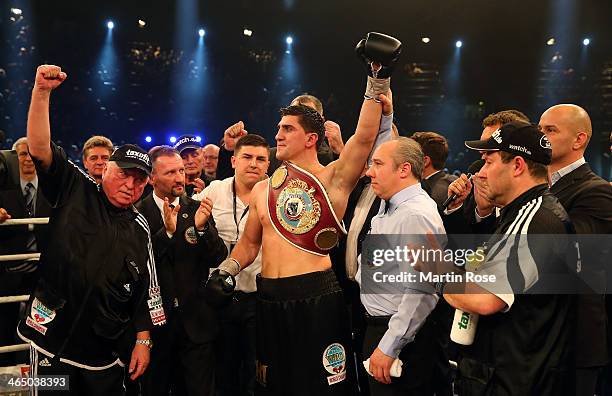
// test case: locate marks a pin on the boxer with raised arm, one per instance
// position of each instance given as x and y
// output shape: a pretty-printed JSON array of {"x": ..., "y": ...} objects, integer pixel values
[{"x": 295, "y": 216}]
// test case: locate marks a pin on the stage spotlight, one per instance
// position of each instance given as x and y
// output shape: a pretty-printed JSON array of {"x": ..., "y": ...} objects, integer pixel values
[
  {"x": 289, "y": 40},
  {"x": 247, "y": 32},
  {"x": 459, "y": 44},
  {"x": 425, "y": 40},
  {"x": 551, "y": 41},
  {"x": 148, "y": 139},
  {"x": 110, "y": 25},
  {"x": 172, "y": 139},
  {"x": 201, "y": 32},
  {"x": 16, "y": 11},
  {"x": 586, "y": 42},
  {"x": 141, "y": 23}
]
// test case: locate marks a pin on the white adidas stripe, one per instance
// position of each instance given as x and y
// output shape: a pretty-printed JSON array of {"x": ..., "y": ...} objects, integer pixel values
[
  {"x": 140, "y": 219},
  {"x": 91, "y": 179},
  {"x": 538, "y": 203},
  {"x": 522, "y": 215}
]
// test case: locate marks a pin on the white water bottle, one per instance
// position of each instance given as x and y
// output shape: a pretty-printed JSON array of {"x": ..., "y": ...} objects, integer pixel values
[{"x": 464, "y": 327}]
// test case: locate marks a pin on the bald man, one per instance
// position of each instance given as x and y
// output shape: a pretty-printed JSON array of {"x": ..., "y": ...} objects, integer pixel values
[
  {"x": 588, "y": 200},
  {"x": 210, "y": 154}
]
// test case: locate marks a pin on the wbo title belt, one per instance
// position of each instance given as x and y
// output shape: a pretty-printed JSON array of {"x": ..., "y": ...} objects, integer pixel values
[{"x": 301, "y": 212}]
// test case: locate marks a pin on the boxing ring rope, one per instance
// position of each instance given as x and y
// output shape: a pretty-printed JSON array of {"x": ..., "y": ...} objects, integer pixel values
[
  {"x": 19, "y": 257},
  {"x": 28, "y": 220}
]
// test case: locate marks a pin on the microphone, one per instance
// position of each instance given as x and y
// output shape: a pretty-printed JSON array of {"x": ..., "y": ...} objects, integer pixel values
[
  {"x": 473, "y": 168},
  {"x": 476, "y": 166}
]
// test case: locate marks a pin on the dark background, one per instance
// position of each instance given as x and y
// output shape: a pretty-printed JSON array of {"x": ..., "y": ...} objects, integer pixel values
[{"x": 152, "y": 87}]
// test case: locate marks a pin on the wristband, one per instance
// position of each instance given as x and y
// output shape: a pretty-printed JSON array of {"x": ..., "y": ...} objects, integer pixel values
[
  {"x": 231, "y": 266},
  {"x": 376, "y": 86}
]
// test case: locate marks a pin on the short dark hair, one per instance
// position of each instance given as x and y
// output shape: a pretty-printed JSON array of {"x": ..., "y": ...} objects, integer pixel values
[
  {"x": 308, "y": 118},
  {"x": 305, "y": 98},
  {"x": 504, "y": 117},
  {"x": 434, "y": 146},
  {"x": 536, "y": 169},
  {"x": 97, "y": 141},
  {"x": 251, "y": 140},
  {"x": 159, "y": 151}
]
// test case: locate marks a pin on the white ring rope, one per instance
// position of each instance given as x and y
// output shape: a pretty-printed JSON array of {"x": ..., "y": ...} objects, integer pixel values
[
  {"x": 28, "y": 220},
  {"x": 20, "y": 257}
]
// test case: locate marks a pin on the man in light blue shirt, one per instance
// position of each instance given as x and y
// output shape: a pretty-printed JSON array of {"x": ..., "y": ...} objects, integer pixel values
[{"x": 395, "y": 319}]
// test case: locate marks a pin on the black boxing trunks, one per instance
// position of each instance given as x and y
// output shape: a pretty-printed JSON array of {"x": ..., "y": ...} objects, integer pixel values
[{"x": 303, "y": 336}]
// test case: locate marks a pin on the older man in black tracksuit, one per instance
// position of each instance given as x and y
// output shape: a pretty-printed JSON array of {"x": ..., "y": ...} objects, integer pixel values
[{"x": 97, "y": 284}]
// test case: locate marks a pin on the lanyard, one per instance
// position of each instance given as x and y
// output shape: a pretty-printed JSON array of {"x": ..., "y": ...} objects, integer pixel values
[{"x": 246, "y": 210}]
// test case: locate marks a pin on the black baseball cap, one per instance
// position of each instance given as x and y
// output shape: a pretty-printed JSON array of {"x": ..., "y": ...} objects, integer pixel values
[
  {"x": 131, "y": 156},
  {"x": 187, "y": 142},
  {"x": 519, "y": 138}
]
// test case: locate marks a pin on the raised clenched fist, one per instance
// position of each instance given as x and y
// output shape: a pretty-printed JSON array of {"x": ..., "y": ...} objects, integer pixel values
[
  {"x": 48, "y": 77},
  {"x": 232, "y": 134},
  {"x": 334, "y": 136}
]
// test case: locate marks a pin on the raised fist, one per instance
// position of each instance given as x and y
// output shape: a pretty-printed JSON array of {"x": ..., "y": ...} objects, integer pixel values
[
  {"x": 232, "y": 134},
  {"x": 48, "y": 77},
  {"x": 379, "y": 53},
  {"x": 334, "y": 136}
]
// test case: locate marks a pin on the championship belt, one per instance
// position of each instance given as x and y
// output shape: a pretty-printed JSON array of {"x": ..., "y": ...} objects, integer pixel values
[{"x": 300, "y": 210}]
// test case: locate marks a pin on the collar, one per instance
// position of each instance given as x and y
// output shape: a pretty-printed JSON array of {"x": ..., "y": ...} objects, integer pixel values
[
  {"x": 522, "y": 199},
  {"x": 555, "y": 176},
  {"x": 25, "y": 182},
  {"x": 112, "y": 209},
  {"x": 160, "y": 202},
  {"x": 400, "y": 197},
  {"x": 435, "y": 173}
]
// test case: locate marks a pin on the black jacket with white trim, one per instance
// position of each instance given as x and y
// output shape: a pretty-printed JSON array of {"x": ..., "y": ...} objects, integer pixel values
[{"x": 97, "y": 278}]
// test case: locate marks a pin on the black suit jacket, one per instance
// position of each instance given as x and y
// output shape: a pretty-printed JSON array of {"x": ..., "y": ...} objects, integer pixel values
[
  {"x": 437, "y": 186},
  {"x": 183, "y": 263},
  {"x": 13, "y": 239},
  {"x": 587, "y": 198}
]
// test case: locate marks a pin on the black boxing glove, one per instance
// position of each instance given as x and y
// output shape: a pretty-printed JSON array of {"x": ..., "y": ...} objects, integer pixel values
[
  {"x": 219, "y": 288},
  {"x": 379, "y": 53}
]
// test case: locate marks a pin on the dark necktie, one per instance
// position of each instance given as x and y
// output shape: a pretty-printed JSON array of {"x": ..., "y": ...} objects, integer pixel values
[
  {"x": 387, "y": 206},
  {"x": 29, "y": 191}
]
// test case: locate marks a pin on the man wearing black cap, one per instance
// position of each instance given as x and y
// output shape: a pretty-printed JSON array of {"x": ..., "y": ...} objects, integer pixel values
[
  {"x": 523, "y": 340},
  {"x": 190, "y": 149},
  {"x": 98, "y": 284}
]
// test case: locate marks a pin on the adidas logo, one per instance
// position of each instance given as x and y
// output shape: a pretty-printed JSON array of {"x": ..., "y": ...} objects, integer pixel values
[{"x": 44, "y": 363}]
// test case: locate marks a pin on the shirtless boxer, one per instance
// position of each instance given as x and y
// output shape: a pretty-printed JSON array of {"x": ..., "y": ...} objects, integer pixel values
[{"x": 302, "y": 326}]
